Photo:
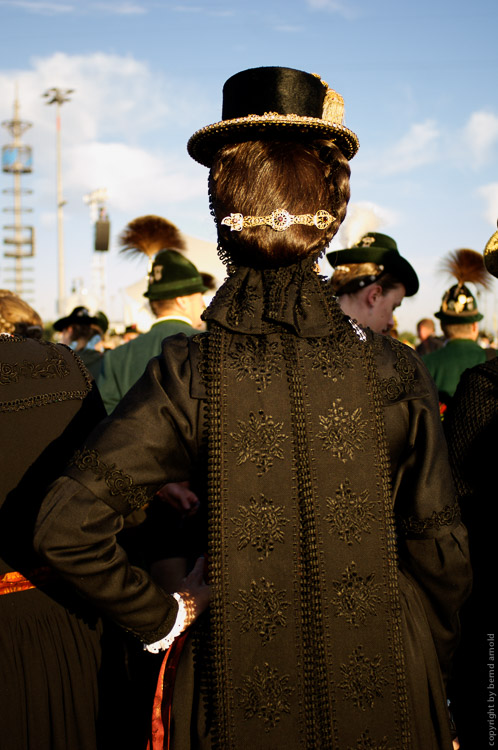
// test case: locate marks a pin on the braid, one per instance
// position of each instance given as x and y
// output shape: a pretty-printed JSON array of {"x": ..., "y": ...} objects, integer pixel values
[
  {"x": 5, "y": 326},
  {"x": 256, "y": 177},
  {"x": 15, "y": 312},
  {"x": 338, "y": 180}
]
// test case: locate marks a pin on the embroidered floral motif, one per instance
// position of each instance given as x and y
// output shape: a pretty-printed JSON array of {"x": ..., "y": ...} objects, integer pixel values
[
  {"x": 259, "y": 441},
  {"x": 260, "y": 525},
  {"x": 261, "y": 609},
  {"x": 343, "y": 432},
  {"x": 445, "y": 517},
  {"x": 256, "y": 358},
  {"x": 365, "y": 742},
  {"x": 350, "y": 514},
  {"x": 393, "y": 387},
  {"x": 355, "y": 597},
  {"x": 239, "y": 298},
  {"x": 116, "y": 480},
  {"x": 53, "y": 366},
  {"x": 265, "y": 695},
  {"x": 8, "y": 373},
  {"x": 332, "y": 355},
  {"x": 363, "y": 679}
]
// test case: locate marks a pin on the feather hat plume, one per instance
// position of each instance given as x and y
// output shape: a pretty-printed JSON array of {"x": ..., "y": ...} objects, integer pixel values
[
  {"x": 466, "y": 266},
  {"x": 149, "y": 235},
  {"x": 359, "y": 220}
]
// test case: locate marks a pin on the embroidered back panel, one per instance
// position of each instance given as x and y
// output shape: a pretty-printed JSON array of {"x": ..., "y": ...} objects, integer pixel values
[
  {"x": 305, "y": 643},
  {"x": 37, "y": 373}
]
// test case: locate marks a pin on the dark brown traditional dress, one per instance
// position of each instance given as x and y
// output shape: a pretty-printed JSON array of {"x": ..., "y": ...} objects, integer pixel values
[
  {"x": 50, "y": 650},
  {"x": 471, "y": 426},
  {"x": 336, "y": 553}
]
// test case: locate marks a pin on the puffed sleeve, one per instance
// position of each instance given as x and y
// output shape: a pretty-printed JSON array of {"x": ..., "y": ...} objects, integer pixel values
[
  {"x": 151, "y": 438},
  {"x": 471, "y": 427},
  {"x": 432, "y": 539}
]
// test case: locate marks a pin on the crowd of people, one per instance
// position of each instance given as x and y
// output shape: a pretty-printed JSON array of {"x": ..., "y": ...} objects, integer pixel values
[{"x": 244, "y": 527}]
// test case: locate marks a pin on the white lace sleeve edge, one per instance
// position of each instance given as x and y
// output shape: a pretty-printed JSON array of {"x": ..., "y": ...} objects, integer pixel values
[{"x": 178, "y": 627}]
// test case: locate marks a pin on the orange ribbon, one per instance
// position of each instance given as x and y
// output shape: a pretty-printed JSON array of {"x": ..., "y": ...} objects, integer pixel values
[{"x": 12, "y": 582}]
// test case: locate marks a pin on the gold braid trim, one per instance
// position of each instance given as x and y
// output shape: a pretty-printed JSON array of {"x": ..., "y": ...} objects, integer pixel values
[{"x": 279, "y": 220}]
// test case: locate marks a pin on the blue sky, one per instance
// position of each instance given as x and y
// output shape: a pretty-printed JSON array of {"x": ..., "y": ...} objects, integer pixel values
[{"x": 418, "y": 79}]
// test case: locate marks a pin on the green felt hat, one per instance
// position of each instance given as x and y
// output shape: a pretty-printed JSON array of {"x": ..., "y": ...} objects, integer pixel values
[
  {"x": 382, "y": 250},
  {"x": 458, "y": 306},
  {"x": 173, "y": 275}
]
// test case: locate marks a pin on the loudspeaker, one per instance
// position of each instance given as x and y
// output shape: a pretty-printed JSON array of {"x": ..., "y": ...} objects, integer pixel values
[{"x": 102, "y": 230}]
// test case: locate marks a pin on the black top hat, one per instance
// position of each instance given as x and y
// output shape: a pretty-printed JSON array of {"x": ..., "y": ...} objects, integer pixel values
[
  {"x": 263, "y": 102},
  {"x": 382, "y": 250},
  {"x": 79, "y": 316}
]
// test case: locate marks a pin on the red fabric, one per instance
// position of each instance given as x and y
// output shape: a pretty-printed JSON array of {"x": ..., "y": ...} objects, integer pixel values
[{"x": 163, "y": 699}]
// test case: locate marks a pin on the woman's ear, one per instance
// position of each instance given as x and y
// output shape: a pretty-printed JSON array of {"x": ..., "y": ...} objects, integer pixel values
[{"x": 374, "y": 291}]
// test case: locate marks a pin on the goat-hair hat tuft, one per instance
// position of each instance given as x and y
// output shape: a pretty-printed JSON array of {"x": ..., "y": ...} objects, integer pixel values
[{"x": 459, "y": 304}]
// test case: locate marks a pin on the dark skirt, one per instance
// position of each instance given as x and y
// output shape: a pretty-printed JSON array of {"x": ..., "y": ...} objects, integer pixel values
[{"x": 50, "y": 657}]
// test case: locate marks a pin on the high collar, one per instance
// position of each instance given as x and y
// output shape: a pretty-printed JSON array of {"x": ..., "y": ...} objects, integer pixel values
[
  {"x": 178, "y": 317},
  {"x": 254, "y": 301}
]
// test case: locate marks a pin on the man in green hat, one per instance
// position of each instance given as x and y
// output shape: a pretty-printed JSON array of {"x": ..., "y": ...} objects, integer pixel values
[
  {"x": 459, "y": 318},
  {"x": 175, "y": 292}
]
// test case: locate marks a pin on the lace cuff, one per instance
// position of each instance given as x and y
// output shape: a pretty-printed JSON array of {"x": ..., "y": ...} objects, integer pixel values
[{"x": 178, "y": 627}]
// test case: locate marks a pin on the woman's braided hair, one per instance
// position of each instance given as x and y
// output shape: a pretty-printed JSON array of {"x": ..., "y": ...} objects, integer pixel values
[
  {"x": 256, "y": 177},
  {"x": 346, "y": 278},
  {"x": 17, "y": 317}
]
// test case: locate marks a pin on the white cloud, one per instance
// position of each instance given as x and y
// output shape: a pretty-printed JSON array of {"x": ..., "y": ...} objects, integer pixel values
[
  {"x": 419, "y": 146},
  {"x": 481, "y": 135},
  {"x": 334, "y": 6},
  {"x": 124, "y": 128},
  {"x": 133, "y": 177},
  {"x": 45, "y": 7},
  {"x": 188, "y": 8},
  {"x": 120, "y": 8},
  {"x": 40, "y": 6},
  {"x": 114, "y": 97},
  {"x": 208, "y": 10},
  {"x": 490, "y": 195}
]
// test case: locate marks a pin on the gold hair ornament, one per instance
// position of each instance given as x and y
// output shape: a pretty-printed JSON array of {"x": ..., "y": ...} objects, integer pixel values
[{"x": 279, "y": 220}]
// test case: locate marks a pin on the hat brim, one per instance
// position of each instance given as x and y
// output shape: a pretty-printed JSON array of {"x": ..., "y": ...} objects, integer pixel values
[
  {"x": 160, "y": 291},
  {"x": 204, "y": 144},
  {"x": 393, "y": 263},
  {"x": 69, "y": 320},
  {"x": 462, "y": 319}
]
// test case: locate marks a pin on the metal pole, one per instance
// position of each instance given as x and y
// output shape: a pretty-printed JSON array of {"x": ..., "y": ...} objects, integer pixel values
[
  {"x": 58, "y": 97},
  {"x": 61, "y": 286}
]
